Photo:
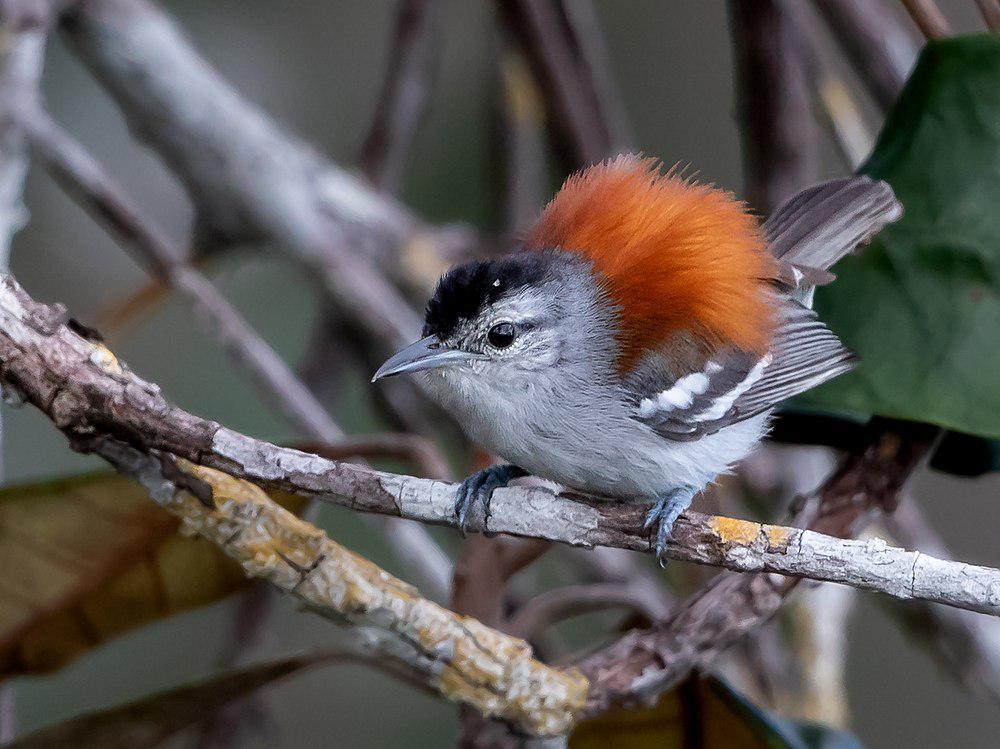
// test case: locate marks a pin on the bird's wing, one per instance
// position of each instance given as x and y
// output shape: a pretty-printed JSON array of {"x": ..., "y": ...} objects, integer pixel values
[
  {"x": 807, "y": 235},
  {"x": 734, "y": 385},
  {"x": 813, "y": 230}
]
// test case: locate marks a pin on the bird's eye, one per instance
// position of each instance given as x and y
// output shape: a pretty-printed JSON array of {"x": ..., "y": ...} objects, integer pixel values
[{"x": 501, "y": 335}]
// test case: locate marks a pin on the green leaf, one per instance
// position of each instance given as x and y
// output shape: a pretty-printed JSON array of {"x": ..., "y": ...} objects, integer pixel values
[
  {"x": 921, "y": 305},
  {"x": 149, "y": 721}
]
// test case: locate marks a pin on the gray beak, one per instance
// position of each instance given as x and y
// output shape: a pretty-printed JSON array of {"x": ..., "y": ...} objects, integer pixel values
[{"x": 426, "y": 353}]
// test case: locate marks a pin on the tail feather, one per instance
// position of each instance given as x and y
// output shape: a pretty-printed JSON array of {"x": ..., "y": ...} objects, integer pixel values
[{"x": 817, "y": 227}]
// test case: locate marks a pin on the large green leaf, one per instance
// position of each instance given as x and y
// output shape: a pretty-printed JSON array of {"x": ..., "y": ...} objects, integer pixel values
[{"x": 922, "y": 303}]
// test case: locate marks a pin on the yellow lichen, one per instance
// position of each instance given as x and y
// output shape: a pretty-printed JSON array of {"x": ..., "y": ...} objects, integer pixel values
[
  {"x": 777, "y": 536},
  {"x": 102, "y": 357},
  {"x": 746, "y": 533},
  {"x": 735, "y": 531},
  {"x": 474, "y": 664}
]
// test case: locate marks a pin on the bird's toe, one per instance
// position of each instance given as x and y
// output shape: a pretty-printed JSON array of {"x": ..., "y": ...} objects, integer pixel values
[
  {"x": 479, "y": 487},
  {"x": 661, "y": 518}
]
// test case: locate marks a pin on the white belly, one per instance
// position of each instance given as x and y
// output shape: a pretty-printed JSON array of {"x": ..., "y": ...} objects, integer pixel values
[{"x": 595, "y": 446}]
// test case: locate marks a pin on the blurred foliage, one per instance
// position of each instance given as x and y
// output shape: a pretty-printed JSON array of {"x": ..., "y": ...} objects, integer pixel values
[
  {"x": 707, "y": 713},
  {"x": 921, "y": 305},
  {"x": 149, "y": 721},
  {"x": 91, "y": 557}
]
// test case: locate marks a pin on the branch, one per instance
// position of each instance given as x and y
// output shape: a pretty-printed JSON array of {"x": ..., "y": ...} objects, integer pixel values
[
  {"x": 643, "y": 664},
  {"x": 778, "y": 130},
  {"x": 95, "y": 190},
  {"x": 967, "y": 646},
  {"x": 460, "y": 658},
  {"x": 928, "y": 17},
  {"x": 87, "y": 393},
  {"x": 87, "y": 181},
  {"x": 549, "y": 38},
  {"x": 249, "y": 180},
  {"x": 990, "y": 11},
  {"x": 404, "y": 94},
  {"x": 877, "y": 45}
]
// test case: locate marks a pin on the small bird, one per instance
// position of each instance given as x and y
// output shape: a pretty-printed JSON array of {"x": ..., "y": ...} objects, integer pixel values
[{"x": 635, "y": 344}]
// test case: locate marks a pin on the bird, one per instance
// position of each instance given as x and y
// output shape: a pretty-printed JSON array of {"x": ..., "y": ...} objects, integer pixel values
[{"x": 635, "y": 342}]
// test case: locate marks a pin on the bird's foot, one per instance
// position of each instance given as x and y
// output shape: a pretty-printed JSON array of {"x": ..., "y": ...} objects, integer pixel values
[
  {"x": 664, "y": 514},
  {"x": 480, "y": 486}
]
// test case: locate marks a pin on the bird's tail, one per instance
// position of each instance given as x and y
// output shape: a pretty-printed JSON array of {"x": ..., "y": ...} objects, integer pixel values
[{"x": 813, "y": 230}]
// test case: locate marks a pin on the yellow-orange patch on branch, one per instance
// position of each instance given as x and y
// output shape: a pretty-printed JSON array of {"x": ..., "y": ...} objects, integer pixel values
[
  {"x": 675, "y": 255},
  {"x": 735, "y": 531}
]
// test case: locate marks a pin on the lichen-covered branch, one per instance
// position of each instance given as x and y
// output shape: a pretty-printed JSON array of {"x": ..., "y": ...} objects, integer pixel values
[
  {"x": 461, "y": 658},
  {"x": 89, "y": 395}
]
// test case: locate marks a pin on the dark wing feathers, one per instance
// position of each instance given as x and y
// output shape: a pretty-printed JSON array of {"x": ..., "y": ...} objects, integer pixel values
[
  {"x": 807, "y": 234},
  {"x": 805, "y": 354},
  {"x": 820, "y": 225},
  {"x": 823, "y": 223}
]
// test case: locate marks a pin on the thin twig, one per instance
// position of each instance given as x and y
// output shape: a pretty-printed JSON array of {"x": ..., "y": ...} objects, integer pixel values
[
  {"x": 88, "y": 183},
  {"x": 543, "y": 32},
  {"x": 832, "y": 95},
  {"x": 778, "y": 130},
  {"x": 522, "y": 121},
  {"x": 928, "y": 18},
  {"x": 553, "y": 606},
  {"x": 413, "y": 54},
  {"x": 876, "y": 43},
  {"x": 990, "y": 10},
  {"x": 584, "y": 29}
]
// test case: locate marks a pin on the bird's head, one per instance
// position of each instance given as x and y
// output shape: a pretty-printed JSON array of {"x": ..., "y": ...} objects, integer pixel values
[
  {"x": 506, "y": 319},
  {"x": 622, "y": 260}
]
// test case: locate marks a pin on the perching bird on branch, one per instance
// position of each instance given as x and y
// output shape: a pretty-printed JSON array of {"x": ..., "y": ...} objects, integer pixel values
[{"x": 636, "y": 344}]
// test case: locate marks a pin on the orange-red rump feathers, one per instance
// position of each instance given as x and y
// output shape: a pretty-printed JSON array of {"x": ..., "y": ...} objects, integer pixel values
[{"x": 675, "y": 255}]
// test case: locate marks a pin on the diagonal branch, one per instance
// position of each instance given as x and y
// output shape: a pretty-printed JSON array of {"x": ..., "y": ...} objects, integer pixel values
[
  {"x": 877, "y": 45},
  {"x": 928, "y": 17},
  {"x": 460, "y": 658},
  {"x": 87, "y": 181},
  {"x": 643, "y": 664},
  {"x": 89, "y": 184},
  {"x": 89, "y": 395}
]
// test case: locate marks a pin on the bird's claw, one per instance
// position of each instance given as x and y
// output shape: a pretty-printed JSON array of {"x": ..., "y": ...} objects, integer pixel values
[
  {"x": 663, "y": 515},
  {"x": 480, "y": 486}
]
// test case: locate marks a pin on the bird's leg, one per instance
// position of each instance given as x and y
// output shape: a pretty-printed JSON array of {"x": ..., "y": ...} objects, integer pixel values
[
  {"x": 480, "y": 486},
  {"x": 664, "y": 513}
]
